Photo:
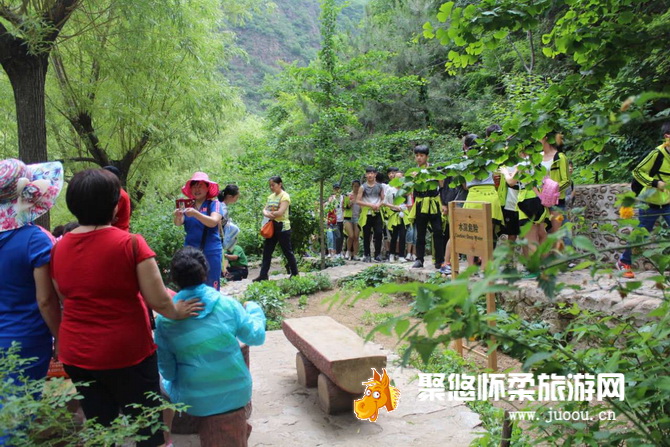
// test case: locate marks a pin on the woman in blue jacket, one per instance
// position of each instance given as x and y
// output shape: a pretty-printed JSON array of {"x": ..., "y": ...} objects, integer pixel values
[{"x": 199, "y": 358}]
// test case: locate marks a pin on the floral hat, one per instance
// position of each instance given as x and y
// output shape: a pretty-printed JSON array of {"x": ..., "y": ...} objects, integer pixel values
[
  {"x": 201, "y": 177},
  {"x": 27, "y": 191}
]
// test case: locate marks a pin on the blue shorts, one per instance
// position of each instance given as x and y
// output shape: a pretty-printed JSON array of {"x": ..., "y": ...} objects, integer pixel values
[{"x": 410, "y": 237}]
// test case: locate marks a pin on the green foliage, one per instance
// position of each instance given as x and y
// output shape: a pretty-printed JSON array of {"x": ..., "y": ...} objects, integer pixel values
[
  {"x": 163, "y": 115},
  {"x": 314, "y": 265},
  {"x": 304, "y": 284},
  {"x": 385, "y": 300},
  {"x": 285, "y": 32},
  {"x": 153, "y": 220},
  {"x": 449, "y": 362},
  {"x": 592, "y": 343},
  {"x": 368, "y": 318},
  {"x": 35, "y": 413},
  {"x": 373, "y": 277},
  {"x": 598, "y": 66},
  {"x": 271, "y": 298}
]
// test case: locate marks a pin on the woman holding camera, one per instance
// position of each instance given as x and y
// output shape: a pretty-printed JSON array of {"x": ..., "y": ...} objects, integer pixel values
[{"x": 201, "y": 222}]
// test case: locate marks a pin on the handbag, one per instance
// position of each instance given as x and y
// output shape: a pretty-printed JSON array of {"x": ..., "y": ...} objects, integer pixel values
[{"x": 268, "y": 230}]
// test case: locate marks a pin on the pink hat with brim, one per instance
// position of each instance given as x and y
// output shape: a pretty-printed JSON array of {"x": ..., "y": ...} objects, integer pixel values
[
  {"x": 201, "y": 177},
  {"x": 27, "y": 191}
]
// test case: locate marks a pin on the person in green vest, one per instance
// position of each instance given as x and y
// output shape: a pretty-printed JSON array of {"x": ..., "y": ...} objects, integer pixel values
[
  {"x": 655, "y": 193},
  {"x": 237, "y": 268}
]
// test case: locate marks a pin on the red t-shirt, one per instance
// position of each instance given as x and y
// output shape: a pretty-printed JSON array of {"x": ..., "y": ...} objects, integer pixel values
[
  {"x": 105, "y": 322},
  {"x": 122, "y": 220}
]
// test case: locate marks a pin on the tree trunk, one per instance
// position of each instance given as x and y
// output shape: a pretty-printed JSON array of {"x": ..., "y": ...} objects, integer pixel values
[
  {"x": 27, "y": 75},
  {"x": 322, "y": 230}
]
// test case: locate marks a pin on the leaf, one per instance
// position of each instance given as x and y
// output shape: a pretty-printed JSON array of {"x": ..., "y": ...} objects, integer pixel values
[
  {"x": 425, "y": 349},
  {"x": 536, "y": 358},
  {"x": 445, "y": 11},
  {"x": 424, "y": 300},
  {"x": 663, "y": 383},
  {"x": 401, "y": 327},
  {"x": 584, "y": 243},
  {"x": 501, "y": 34}
]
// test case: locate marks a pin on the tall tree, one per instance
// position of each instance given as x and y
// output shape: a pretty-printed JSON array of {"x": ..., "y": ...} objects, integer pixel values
[
  {"x": 317, "y": 107},
  {"x": 144, "y": 82},
  {"x": 28, "y": 32}
]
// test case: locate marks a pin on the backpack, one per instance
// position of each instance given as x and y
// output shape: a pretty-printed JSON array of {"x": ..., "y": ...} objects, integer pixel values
[
  {"x": 636, "y": 186},
  {"x": 550, "y": 193}
]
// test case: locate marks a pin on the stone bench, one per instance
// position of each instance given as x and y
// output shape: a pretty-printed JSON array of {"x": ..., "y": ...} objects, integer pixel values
[{"x": 332, "y": 358}]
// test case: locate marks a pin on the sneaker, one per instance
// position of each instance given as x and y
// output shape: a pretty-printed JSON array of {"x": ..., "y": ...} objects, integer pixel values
[
  {"x": 418, "y": 264},
  {"x": 367, "y": 259},
  {"x": 445, "y": 268},
  {"x": 408, "y": 258},
  {"x": 391, "y": 258},
  {"x": 627, "y": 269},
  {"x": 260, "y": 278},
  {"x": 378, "y": 259}
]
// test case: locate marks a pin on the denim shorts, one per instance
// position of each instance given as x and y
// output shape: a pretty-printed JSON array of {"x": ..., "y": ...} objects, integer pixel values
[{"x": 410, "y": 237}]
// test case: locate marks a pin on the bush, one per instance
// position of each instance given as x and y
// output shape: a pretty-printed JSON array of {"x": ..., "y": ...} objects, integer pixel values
[
  {"x": 153, "y": 220},
  {"x": 314, "y": 264},
  {"x": 373, "y": 277},
  {"x": 304, "y": 285},
  {"x": 34, "y": 412},
  {"x": 271, "y": 298}
]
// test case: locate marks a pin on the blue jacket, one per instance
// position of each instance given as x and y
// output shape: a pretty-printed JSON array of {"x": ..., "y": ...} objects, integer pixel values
[{"x": 199, "y": 358}]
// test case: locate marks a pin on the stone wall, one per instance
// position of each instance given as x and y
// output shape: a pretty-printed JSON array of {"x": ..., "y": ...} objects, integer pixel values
[{"x": 598, "y": 204}]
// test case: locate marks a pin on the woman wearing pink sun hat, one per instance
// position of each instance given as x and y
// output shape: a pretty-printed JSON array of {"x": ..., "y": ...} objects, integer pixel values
[{"x": 201, "y": 222}]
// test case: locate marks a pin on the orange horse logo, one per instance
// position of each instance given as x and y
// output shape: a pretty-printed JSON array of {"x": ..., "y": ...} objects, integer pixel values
[{"x": 378, "y": 393}]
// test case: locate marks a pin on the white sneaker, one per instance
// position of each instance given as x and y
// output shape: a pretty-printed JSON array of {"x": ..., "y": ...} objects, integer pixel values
[{"x": 408, "y": 258}]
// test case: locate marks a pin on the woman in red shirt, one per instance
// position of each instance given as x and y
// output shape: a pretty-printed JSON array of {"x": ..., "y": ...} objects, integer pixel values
[{"x": 105, "y": 335}]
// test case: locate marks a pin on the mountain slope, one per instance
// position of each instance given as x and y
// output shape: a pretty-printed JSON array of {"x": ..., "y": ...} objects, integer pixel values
[{"x": 288, "y": 32}]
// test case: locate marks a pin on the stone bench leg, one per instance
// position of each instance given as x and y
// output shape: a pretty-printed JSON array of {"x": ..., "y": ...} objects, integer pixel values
[
  {"x": 308, "y": 374},
  {"x": 332, "y": 399}
]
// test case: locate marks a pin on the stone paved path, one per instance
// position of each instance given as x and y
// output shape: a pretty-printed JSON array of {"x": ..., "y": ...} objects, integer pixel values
[
  {"x": 287, "y": 414},
  {"x": 597, "y": 294}
]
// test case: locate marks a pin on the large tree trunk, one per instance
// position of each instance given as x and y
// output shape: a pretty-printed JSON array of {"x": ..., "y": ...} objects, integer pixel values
[{"x": 27, "y": 74}]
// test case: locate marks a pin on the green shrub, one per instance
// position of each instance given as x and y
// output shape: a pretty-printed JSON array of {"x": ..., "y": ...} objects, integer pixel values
[
  {"x": 35, "y": 413},
  {"x": 304, "y": 285},
  {"x": 153, "y": 220},
  {"x": 314, "y": 264},
  {"x": 449, "y": 362},
  {"x": 270, "y": 297},
  {"x": 373, "y": 277}
]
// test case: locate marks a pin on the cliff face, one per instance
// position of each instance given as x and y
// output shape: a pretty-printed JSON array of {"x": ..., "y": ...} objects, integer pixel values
[{"x": 288, "y": 32}]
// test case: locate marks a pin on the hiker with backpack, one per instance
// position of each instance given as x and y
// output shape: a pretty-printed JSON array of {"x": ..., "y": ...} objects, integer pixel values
[
  {"x": 650, "y": 181},
  {"x": 529, "y": 204},
  {"x": 482, "y": 190},
  {"x": 556, "y": 164}
]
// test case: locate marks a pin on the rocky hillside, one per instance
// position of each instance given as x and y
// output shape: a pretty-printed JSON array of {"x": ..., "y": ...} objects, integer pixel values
[{"x": 287, "y": 32}]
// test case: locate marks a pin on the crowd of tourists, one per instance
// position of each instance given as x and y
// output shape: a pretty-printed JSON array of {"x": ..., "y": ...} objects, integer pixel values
[
  {"x": 87, "y": 294},
  {"x": 85, "y": 299},
  {"x": 394, "y": 228}
]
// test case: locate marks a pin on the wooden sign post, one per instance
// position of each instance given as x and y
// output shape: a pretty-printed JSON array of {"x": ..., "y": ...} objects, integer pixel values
[{"x": 471, "y": 233}]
